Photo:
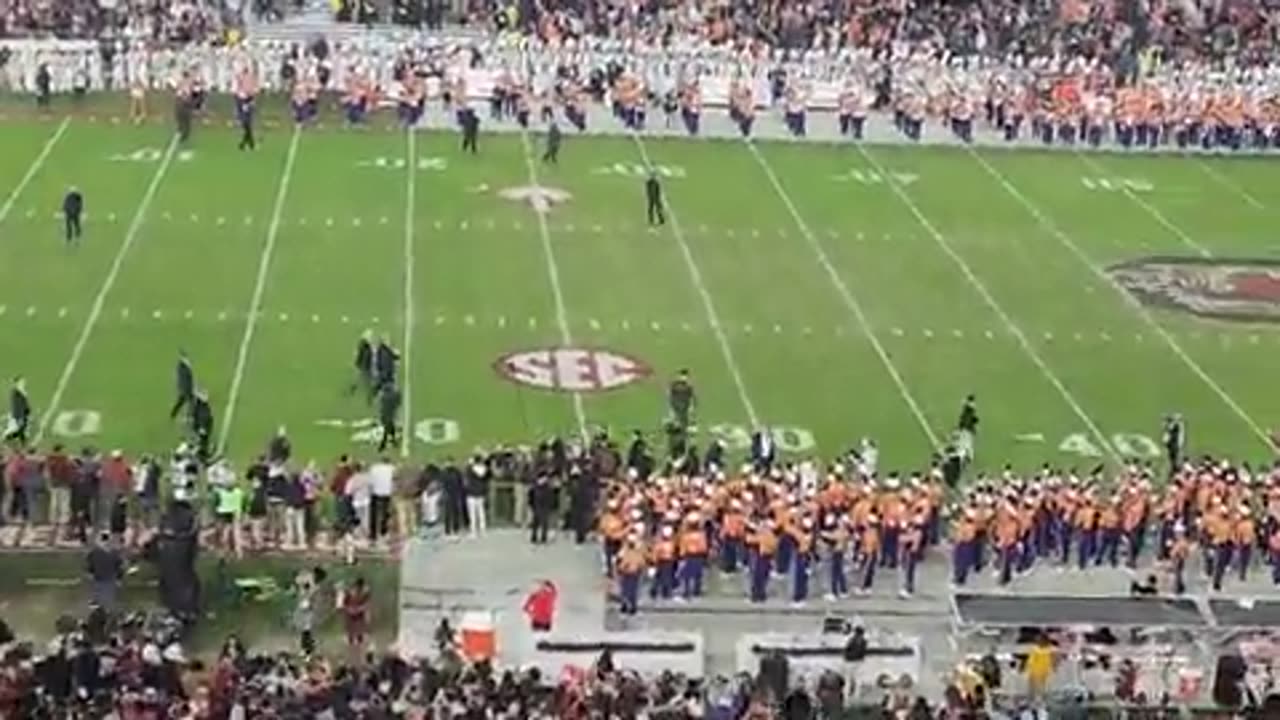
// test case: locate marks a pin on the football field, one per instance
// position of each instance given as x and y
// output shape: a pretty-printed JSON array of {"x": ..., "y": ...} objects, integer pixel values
[{"x": 827, "y": 291}]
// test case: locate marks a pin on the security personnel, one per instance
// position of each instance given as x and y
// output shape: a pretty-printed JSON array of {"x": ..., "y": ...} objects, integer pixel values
[
  {"x": 682, "y": 400},
  {"x": 1179, "y": 550},
  {"x": 911, "y": 544},
  {"x": 664, "y": 563},
  {"x": 19, "y": 412},
  {"x": 364, "y": 366},
  {"x": 186, "y": 385},
  {"x": 552, "y": 155},
  {"x": 202, "y": 424},
  {"x": 388, "y": 409},
  {"x": 630, "y": 565},
  {"x": 693, "y": 555},
  {"x": 470, "y": 131},
  {"x": 72, "y": 209},
  {"x": 653, "y": 197},
  {"x": 385, "y": 358}
]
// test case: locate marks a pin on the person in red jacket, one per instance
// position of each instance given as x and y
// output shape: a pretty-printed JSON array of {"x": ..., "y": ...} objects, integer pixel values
[{"x": 540, "y": 606}]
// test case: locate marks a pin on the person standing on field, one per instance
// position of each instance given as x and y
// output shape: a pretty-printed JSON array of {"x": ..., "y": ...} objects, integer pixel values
[{"x": 477, "y": 490}]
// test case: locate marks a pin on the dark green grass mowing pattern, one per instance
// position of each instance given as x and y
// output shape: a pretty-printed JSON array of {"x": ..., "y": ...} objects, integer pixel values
[{"x": 982, "y": 296}]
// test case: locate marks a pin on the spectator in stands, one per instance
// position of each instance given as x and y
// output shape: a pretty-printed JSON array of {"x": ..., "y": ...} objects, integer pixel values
[{"x": 1039, "y": 666}]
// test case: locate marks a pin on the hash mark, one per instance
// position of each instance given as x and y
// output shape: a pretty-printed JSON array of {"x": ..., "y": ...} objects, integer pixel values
[
  {"x": 1048, "y": 336},
  {"x": 166, "y": 215},
  {"x": 439, "y": 320},
  {"x": 502, "y": 321},
  {"x": 195, "y": 218},
  {"x": 438, "y": 225},
  {"x": 62, "y": 312},
  {"x": 328, "y": 222},
  {"x": 302, "y": 221},
  {"x": 832, "y": 233},
  {"x": 897, "y": 331},
  {"x": 990, "y": 335},
  {"x": 31, "y": 213},
  {"x": 375, "y": 320},
  {"x": 517, "y": 225},
  {"x": 490, "y": 224},
  {"x": 703, "y": 229},
  {"x": 686, "y": 327},
  {"x": 469, "y": 320},
  {"x": 747, "y": 328},
  {"x": 315, "y": 318},
  {"x": 1079, "y": 337},
  {"x": 958, "y": 333},
  {"x": 462, "y": 225},
  {"x": 124, "y": 313},
  {"x": 31, "y": 310},
  {"x": 221, "y": 220},
  {"x": 597, "y": 229},
  {"x": 382, "y": 220},
  {"x": 839, "y": 331},
  {"x": 777, "y": 329},
  {"x": 807, "y": 330},
  {"x": 755, "y": 233},
  {"x": 1105, "y": 337},
  {"x": 1138, "y": 337},
  {"x": 3, "y": 308},
  {"x": 594, "y": 323},
  {"x": 157, "y": 314},
  {"x": 189, "y": 314},
  {"x": 111, "y": 217},
  {"x": 248, "y": 219},
  {"x": 729, "y": 232},
  {"x": 284, "y": 317},
  {"x": 222, "y": 315},
  {"x": 355, "y": 222},
  {"x": 345, "y": 320},
  {"x": 928, "y": 333},
  {"x": 1253, "y": 339},
  {"x": 655, "y": 326},
  {"x": 568, "y": 227},
  {"x": 533, "y": 322}
]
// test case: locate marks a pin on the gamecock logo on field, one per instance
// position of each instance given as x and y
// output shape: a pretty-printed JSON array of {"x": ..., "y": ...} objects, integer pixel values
[
  {"x": 1223, "y": 289},
  {"x": 571, "y": 369}
]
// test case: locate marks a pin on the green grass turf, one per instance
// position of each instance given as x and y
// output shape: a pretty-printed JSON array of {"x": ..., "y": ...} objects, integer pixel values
[{"x": 1082, "y": 359}]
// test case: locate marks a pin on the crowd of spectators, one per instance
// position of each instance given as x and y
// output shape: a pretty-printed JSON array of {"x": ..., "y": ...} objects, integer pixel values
[{"x": 166, "y": 21}]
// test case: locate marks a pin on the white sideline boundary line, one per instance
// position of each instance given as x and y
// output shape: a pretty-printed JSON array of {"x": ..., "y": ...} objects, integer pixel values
[
  {"x": 1151, "y": 209},
  {"x": 1128, "y": 298},
  {"x": 34, "y": 168},
  {"x": 991, "y": 302},
  {"x": 95, "y": 310},
  {"x": 553, "y": 274},
  {"x": 849, "y": 300},
  {"x": 259, "y": 288},
  {"x": 708, "y": 305},
  {"x": 1230, "y": 184},
  {"x": 411, "y": 167}
]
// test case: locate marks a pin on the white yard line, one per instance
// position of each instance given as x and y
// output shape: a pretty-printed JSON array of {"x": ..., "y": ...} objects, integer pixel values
[
  {"x": 1230, "y": 184},
  {"x": 411, "y": 167},
  {"x": 1133, "y": 302},
  {"x": 259, "y": 288},
  {"x": 34, "y": 168},
  {"x": 1151, "y": 209},
  {"x": 849, "y": 300},
  {"x": 708, "y": 305},
  {"x": 95, "y": 310},
  {"x": 553, "y": 273},
  {"x": 991, "y": 302}
]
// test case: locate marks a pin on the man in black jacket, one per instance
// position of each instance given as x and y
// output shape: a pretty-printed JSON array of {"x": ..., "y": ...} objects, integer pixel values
[
  {"x": 19, "y": 412},
  {"x": 454, "y": 499},
  {"x": 72, "y": 208},
  {"x": 542, "y": 500}
]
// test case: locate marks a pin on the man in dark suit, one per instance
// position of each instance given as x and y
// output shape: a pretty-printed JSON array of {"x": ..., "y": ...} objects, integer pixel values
[{"x": 653, "y": 197}]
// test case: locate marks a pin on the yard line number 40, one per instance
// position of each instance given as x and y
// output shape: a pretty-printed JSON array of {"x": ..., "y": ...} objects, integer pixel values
[{"x": 1128, "y": 445}]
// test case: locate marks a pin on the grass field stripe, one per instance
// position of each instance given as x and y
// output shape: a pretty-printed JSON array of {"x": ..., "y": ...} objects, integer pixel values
[
  {"x": 553, "y": 274},
  {"x": 100, "y": 300},
  {"x": 1126, "y": 297},
  {"x": 1151, "y": 209},
  {"x": 34, "y": 168},
  {"x": 990, "y": 300},
  {"x": 849, "y": 300},
  {"x": 411, "y": 150},
  {"x": 708, "y": 305},
  {"x": 1230, "y": 184},
  {"x": 259, "y": 288}
]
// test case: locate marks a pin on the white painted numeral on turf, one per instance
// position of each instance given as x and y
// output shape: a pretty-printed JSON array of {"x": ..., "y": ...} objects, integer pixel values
[
  {"x": 149, "y": 155},
  {"x": 1134, "y": 445},
  {"x": 399, "y": 163},
  {"x": 788, "y": 439},
  {"x": 77, "y": 423},
  {"x": 437, "y": 431},
  {"x": 871, "y": 177},
  {"x": 628, "y": 169},
  {"x": 1117, "y": 184}
]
